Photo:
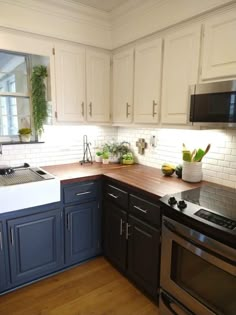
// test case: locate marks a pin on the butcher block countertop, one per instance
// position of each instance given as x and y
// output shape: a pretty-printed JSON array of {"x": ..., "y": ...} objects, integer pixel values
[{"x": 146, "y": 178}]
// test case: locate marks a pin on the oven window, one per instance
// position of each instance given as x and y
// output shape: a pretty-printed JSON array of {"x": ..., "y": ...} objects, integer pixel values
[{"x": 209, "y": 284}]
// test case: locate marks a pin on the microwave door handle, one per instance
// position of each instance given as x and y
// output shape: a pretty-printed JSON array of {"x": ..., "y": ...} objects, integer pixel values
[{"x": 173, "y": 307}]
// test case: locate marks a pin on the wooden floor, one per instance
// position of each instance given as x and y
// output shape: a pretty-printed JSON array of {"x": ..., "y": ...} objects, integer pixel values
[{"x": 94, "y": 288}]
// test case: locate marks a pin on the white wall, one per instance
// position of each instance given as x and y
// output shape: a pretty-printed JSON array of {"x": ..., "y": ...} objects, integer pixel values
[
  {"x": 60, "y": 19},
  {"x": 63, "y": 144},
  {"x": 219, "y": 165},
  {"x": 138, "y": 18}
]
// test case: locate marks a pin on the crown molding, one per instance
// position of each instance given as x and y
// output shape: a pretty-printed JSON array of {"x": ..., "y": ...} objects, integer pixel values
[{"x": 68, "y": 9}]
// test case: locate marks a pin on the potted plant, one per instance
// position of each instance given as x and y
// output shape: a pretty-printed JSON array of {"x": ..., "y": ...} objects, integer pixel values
[
  {"x": 128, "y": 158},
  {"x": 116, "y": 150},
  {"x": 39, "y": 102},
  {"x": 105, "y": 157},
  {"x": 25, "y": 134}
]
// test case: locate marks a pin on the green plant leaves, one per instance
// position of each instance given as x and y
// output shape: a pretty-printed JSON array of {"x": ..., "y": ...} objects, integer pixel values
[{"x": 39, "y": 102}]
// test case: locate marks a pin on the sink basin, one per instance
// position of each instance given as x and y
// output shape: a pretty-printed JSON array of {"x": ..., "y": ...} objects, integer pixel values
[{"x": 28, "y": 187}]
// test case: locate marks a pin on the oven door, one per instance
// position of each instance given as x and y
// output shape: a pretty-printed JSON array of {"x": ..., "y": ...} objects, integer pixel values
[{"x": 197, "y": 270}]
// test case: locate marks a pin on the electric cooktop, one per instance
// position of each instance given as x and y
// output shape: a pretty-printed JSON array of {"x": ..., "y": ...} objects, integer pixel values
[{"x": 212, "y": 204}]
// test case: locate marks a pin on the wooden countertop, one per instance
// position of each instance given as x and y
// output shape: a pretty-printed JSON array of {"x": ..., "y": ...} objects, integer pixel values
[{"x": 147, "y": 178}]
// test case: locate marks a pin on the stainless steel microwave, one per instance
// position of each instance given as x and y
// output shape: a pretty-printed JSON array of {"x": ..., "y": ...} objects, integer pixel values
[{"x": 213, "y": 103}]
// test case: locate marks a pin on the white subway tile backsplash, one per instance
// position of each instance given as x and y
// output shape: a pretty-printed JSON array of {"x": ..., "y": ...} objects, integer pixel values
[
  {"x": 218, "y": 165},
  {"x": 64, "y": 144}
]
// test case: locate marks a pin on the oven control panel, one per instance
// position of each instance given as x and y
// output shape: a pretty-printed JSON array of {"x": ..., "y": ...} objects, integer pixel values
[{"x": 216, "y": 218}]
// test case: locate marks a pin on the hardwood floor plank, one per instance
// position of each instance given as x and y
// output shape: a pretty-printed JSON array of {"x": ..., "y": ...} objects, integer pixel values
[{"x": 93, "y": 288}]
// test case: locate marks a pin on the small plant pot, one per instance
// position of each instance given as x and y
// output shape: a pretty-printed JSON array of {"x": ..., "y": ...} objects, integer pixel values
[
  {"x": 128, "y": 162},
  {"x": 25, "y": 138},
  {"x": 98, "y": 158},
  {"x": 105, "y": 161}
]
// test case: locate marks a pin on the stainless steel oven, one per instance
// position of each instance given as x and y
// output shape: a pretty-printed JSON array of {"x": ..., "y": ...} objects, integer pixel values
[{"x": 198, "y": 274}]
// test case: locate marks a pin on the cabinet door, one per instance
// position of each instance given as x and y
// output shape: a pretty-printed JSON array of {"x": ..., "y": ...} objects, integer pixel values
[
  {"x": 180, "y": 70},
  {"x": 114, "y": 235},
  {"x": 2, "y": 261},
  {"x": 147, "y": 81},
  {"x": 143, "y": 255},
  {"x": 35, "y": 245},
  {"x": 70, "y": 83},
  {"x": 82, "y": 232},
  {"x": 123, "y": 71},
  {"x": 219, "y": 46},
  {"x": 98, "y": 86}
]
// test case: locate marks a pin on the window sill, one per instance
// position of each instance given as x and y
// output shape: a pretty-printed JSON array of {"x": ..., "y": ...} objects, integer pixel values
[{"x": 19, "y": 142}]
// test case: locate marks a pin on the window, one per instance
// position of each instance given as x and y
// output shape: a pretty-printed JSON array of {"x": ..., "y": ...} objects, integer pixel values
[
  {"x": 15, "y": 106},
  {"x": 15, "y": 98}
]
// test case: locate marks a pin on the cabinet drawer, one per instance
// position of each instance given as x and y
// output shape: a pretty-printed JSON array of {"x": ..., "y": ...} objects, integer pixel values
[
  {"x": 145, "y": 210},
  {"x": 117, "y": 195},
  {"x": 80, "y": 192}
]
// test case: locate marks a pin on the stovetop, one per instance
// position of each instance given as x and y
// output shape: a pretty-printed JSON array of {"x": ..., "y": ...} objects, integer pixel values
[{"x": 211, "y": 204}]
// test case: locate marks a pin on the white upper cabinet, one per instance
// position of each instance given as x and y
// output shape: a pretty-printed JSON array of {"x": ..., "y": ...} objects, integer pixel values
[
  {"x": 147, "y": 81},
  {"x": 98, "y": 86},
  {"x": 180, "y": 70},
  {"x": 123, "y": 77},
  {"x": 219, "y": 46},
  {"x": 70, "y": 83}
]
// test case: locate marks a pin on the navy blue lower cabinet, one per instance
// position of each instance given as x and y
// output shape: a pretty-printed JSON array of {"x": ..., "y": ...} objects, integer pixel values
[
  {"x": 82, "y": 232},
  {"x": 143, "y": 255},
  {"x": 35, "y": 245},
  {"x": 2, "y": 260}
]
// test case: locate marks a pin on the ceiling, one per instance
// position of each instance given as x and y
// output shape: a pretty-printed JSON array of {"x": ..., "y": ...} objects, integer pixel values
[{"x": 105, "y": 5}]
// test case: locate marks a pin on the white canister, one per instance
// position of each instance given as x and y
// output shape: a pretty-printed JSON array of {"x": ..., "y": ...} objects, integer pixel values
[{"x": 192, "y": 172}]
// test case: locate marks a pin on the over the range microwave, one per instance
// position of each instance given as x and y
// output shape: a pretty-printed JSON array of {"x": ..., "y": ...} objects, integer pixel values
[{"x": 213, "y": 103}]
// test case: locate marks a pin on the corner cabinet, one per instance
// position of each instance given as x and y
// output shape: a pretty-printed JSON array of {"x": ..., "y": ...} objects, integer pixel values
[
  {"x": 35, "y": 245},
  {"x": 180, "y": 70},
  {"x": 219, "y": 46},
  {"x": 147, "y": 81},
  {"x": 98, "y": 86},
  {"x": 82, "y": 84},
  {"x": 123, "y": 78},
  {"x": 3, "y": 272},
  {"x": 70, "y": 83}
]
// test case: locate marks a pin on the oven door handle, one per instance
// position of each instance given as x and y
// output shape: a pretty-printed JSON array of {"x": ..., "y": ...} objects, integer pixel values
[{"x": 174, "y": 307}]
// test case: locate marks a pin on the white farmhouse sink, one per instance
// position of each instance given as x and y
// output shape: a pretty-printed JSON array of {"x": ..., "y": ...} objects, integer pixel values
[{"x": 27, "y": 188}]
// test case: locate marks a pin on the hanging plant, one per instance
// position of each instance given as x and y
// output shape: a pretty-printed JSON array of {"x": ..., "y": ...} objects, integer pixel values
[{"x": 39, "y": 102}]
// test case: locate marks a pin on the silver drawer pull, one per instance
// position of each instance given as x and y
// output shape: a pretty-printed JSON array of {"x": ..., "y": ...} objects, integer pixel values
[
  {"x": 1, "y": 245},
  {"x": 113, "y": 196},
  {"x": 83, "y": 193},
  {"x": 140, "y": 209},
  {"x": 127, "y": 234}
]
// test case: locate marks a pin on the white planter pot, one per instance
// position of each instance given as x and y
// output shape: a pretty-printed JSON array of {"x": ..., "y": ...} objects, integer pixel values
[
  {"x": 105, "y": 161},
  {"x": 114, "y": 159},
  {"x": 25, "y": 138},
  {"x": 98, "y": 158},
  {"x": 192, "y": 172}
]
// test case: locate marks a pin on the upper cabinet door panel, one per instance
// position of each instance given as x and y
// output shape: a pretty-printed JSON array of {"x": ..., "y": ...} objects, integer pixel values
[
  {"x": 219, "y": 46},
  {"x": 147, "y": 81},
  {"x": 70, "y": 83},
  {"x": 123, "y": 76},
  {"x": 98, "y": 86},
  {"x": 180, "y": 70}
]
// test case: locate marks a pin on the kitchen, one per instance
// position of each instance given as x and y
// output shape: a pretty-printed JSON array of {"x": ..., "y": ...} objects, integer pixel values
[{"x": 174, "y": 40}]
